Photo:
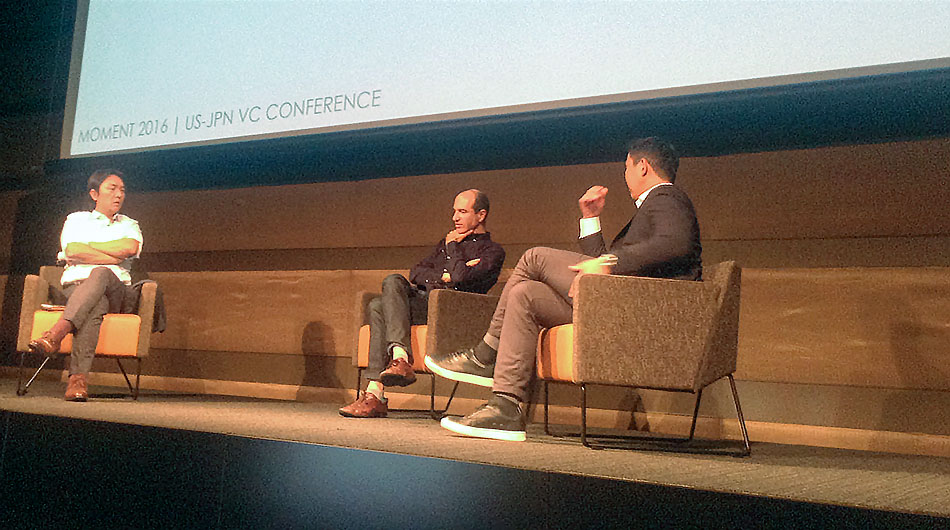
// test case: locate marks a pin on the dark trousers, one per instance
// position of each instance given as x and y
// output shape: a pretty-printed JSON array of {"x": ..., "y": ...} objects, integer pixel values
[
  {"x": 87, "y": 302},
  {"x": 391, "y": 314},
  {"x": 534, "y": 297}
]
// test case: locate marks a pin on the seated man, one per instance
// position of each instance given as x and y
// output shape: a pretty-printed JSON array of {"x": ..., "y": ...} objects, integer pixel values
[
  {"x": 465, "y": 260},
  {"x": 661, "y": 240},
  {"x": 98, "y": 247}
]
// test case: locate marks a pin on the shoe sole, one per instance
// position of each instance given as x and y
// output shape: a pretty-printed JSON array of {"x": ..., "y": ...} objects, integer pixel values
[
  {"x": 479, "y": 432},
  {"x": 349, "y": 415},
  {"x": 395, "y": 380},
  {"x": 458, "y": 376}
]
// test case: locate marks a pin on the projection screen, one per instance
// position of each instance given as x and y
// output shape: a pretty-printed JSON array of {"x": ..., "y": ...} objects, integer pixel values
[{"x": 151, "y": 74}]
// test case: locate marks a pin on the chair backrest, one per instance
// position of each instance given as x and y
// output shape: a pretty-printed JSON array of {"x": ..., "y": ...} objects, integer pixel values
[
  {"x": 722, "y": 345},
  {"x": 52, "y": 275}
]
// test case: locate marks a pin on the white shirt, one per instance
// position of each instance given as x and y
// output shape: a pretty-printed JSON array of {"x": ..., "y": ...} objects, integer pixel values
[
  {"x": 95, "y": 227},
  {"x": 591, "y": 225}
]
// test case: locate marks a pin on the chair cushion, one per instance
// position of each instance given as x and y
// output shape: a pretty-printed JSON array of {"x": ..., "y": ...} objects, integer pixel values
[
  {"x": 556, "y": 354},
  {"x": 417, "y": 339},
  {"x": 118, "y": 336}
]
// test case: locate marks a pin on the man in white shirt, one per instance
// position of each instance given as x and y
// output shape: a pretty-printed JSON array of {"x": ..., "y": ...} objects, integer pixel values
[
  {"x": 661, "y": 241},
  {"x": 98, "y": 247}
]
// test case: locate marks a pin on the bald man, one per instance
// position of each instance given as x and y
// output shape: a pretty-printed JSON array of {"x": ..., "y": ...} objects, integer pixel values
[{"x": 466, "y": 259}]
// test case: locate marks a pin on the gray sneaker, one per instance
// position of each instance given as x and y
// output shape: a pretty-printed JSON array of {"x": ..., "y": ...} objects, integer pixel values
[
  {"x": 462, "y": 366},
  {"x": 499, "y": 419}
]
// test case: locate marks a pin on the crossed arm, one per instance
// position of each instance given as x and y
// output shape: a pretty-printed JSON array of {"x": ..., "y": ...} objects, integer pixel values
[{"x": 102, "y": 253}]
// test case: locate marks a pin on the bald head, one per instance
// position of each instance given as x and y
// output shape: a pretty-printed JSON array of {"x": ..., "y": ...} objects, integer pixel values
[{"x": 470, "y": 211}]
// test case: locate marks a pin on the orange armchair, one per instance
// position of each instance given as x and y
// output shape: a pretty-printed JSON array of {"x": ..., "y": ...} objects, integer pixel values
[{"x": 122, "y": 336}]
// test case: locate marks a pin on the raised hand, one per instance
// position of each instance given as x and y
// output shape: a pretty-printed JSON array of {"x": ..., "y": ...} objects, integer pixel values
[
  {"x": 456, "y": 236},
  {"x": 593, "y": 201}
]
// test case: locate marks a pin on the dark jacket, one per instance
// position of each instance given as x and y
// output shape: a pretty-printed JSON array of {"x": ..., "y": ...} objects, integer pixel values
[
  {"x": 660, "y": 241},
  {"x": 451, "y": 258}
]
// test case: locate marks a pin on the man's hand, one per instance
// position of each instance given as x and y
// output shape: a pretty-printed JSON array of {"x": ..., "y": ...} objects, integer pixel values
[
  {"x": 456, "y": 236},
  {"x": 588, "y": 266},
  {"x": 593, "y": 201},
  {"x": 447, "y": 278}
]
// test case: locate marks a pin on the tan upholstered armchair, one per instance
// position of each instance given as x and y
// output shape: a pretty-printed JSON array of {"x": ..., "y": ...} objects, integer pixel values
[
  {"x": 456, "y": 320},
  {"x": 121, "y": 336},
  {"x": 648, "y": 333}
]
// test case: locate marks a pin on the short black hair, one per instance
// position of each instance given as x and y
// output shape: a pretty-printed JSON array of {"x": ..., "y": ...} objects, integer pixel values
[
  {"x": 660, "y": 154},
  {"x": 96, "y": 179}
]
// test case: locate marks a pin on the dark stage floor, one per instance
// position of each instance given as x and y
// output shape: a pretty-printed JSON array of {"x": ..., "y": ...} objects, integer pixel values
[{"x": 883, "y": 481}]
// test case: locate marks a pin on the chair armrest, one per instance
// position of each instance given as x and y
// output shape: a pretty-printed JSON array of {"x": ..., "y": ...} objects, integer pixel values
[
  {"x": 360, "y": 319},
  {"x": 457, "y": 320},
  {"x": 35, "y": 293},
  {"x": 644, "y": 332},
  {"x": 147, "y": 315}
]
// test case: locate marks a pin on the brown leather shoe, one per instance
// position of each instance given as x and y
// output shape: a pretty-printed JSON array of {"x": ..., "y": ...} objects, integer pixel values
[
  {"x": 76, "y": 389},
  {"x": 367, "y": 406},
  {"x": 398, "y": 373},
  {"x": 45, "y": 345}
]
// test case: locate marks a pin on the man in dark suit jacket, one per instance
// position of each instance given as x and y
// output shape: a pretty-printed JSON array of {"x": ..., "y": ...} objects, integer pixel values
[{"x": 661, "y": 241}]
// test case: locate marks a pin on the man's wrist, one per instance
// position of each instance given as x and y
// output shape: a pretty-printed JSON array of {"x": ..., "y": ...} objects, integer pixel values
[{"x": 589, "y": 226}]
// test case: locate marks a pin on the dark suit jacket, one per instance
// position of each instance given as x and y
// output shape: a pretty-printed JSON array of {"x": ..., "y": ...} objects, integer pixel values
[{"x": 660, "y": 241}]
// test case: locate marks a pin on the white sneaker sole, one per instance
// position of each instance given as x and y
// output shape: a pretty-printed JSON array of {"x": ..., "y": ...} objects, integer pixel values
[
  {"x": 478, "y": 432},
  {"x": 458, "y": 376}
]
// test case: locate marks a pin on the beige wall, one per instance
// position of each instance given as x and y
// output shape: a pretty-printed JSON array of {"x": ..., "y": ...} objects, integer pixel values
[{"x": 869, "y": 205}]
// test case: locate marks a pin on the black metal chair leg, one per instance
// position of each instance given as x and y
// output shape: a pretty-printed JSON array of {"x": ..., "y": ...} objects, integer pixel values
[
  {"x": 19, "y": 376},
  {"x": 438, "y": 414},
  {"x": 692, "y": 428},
  {"x": 451, "y": 396},
  {"x": 745, "y": 433},
  {"x": 546, "y": 430},
  {"x": 584, "y": 415},
  {"x": 138, "y": 375},
  {"x": 359, "y": 377},
  {"x": 125, "y": 375}
]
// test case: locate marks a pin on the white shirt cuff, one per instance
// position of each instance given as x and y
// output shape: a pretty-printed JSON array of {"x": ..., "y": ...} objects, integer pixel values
[{"x": 589, "y": 225}]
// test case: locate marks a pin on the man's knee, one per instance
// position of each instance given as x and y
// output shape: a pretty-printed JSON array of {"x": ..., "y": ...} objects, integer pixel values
[
  {"x": 395, "y": 282},
  {"x": 533, "y": 258},
  {"x": 522, "y": 294},
  {"x": 100, "y": 274},
  {"x": 375, "y": 306}
]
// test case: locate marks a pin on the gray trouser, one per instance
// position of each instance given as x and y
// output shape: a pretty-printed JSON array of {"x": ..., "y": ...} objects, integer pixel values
[
  {"x": 534, "y": 297},
  {"x": 88, "y": 301},
  {"x": 391, "y": 314}
]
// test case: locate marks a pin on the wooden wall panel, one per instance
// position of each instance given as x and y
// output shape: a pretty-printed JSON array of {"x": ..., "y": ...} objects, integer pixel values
[
  {"x": 880, "y": 190},
  {"x": 877, "y": 327},
  {"x": 290, "y": 312},
  {"x": 823, "y": 253},
  {"x": 886, "y": 189}
]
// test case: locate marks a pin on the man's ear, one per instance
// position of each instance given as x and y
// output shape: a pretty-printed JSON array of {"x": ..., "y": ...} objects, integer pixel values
[
  {"x": 94, "y": 194},
  {"x": 647, "y": 168},
  {"x": 482, "y": 214}
]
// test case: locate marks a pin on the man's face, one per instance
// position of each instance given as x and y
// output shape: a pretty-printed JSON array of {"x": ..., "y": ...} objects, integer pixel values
[
  {"x": 110, "y": 196},
  {"x": 464, "y": 216},
  {"x": 633, "y": 174}
]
